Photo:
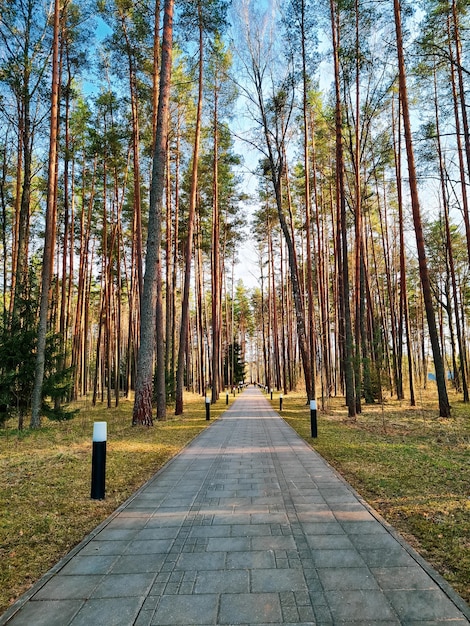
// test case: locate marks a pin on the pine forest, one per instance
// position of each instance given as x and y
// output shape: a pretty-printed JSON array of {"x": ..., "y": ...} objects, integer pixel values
[{"x": 201, "y": 194}]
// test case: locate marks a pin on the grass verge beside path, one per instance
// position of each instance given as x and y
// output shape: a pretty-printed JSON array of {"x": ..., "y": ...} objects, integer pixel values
[
  {"x": 45, "y": 480},
  {"x": 411, "y": 466}
]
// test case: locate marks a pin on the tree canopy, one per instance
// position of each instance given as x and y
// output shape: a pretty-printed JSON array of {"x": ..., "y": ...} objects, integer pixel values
[{"x": 141, "y": 168}]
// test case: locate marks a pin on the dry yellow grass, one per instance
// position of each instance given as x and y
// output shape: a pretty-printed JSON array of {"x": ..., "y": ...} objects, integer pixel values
[
  {"x": 45, "y": 480},
  {"x": 410, "y": 465}
]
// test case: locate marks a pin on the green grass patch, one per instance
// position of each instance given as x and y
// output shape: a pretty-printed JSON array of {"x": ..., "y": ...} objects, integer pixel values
[
  {"x": 412, "y": 467},
  {"x": 45, "y": 481}
]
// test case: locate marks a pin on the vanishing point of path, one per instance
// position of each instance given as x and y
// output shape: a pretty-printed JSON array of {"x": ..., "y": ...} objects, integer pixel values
[{"x": 248, "y": 525}]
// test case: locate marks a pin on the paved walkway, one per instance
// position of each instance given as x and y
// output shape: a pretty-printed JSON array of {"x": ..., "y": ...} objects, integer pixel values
[{"x": 248, "y": 525}]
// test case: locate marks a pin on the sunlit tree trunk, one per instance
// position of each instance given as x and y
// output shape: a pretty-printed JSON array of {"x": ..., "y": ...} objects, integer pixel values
[
  {"x": 444, "y": 406},
  {"x": 342, "y": 249},
  {"x": 404, "y": 307},
  {"x": 50, "y": 229},
  {"x": 190, "y": 231},
  {"x": 458, "y": 137},
  {"x": 216, "y": 294},
  {"x": 151, "y": 324},
  {"x": 459, "y": 371}
]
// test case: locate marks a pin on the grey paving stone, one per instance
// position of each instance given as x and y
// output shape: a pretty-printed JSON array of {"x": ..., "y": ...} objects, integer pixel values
[
  {"x": 306, "y": 613},
  {"x": 229, "y": 544},
  {"x": 124, "y": 585},
  {"x": 46, "y": 613},
  {"x": 144, "y": 618},
  {"x": 277, "y": 580},
  {"x": 269, "y": 518},
  {"x": 226, "y": 581},
  {"x": 330, "y": 542},
  {"x": 96, "y": 547},
  {"x": 403, "y": 578},
  {"x": 247, "y": 526},
  {"x": 186, "y": 610},
  {"x": 125, "y": 523},
  {"x": 160, "y": 520},
  {"x": 422, "y": 605},
  {"x": 323, "y": 528},
  {"x": 227, "y": 519},
  {"x": 375, "y": 541},
  {"x": 316, "y": 516},
  {"x": 83, "y": 565},
  {"x": 388, "y": 557},
  {"x": 251, "y": 530},
  {"x": 158, "y": 533},
  {"x": 255, "y": 608},
  {"x": 367, "y": 527},
  {"x": 359, "y": 515},
  {"x": 149, "y": 546},
  {"x": 208, "y": 531},
  {"x": 250, "y": 560},
  {"x": 117, "y": 534},
  {"x": 138, "y": 563},
  {"x": 359, "y": 606},
  {"x": 276, "y": 542},
  {"x": 439, "y": 622},
  {"x": 68, "y": 587},
  {"x": 143, "y": 511},
  {"x": 337, "y": 558},
  {"x": 252, "y": 508},
  {"x": 109, "y": 611},
  {"x": 339, "y": 494},
  {"x": 351, "y": 578},
  {"x": 207, "y": 561}
]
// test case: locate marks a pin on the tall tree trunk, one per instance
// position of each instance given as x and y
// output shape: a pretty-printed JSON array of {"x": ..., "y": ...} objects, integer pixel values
[
  {"x": 273, "y": 317},
  {"x": 136, "y": 270},
  {"x": 50, "y": 228},
  {"x": 151, "y": 324},
  {"x": 444, "y": 406},
  {"x": 156, "y": 69},
  {"x": 190, "y": 231},
  {"x": 450, "y": 256},
  {"x": 215, "y": 255},
  {"x": 17, "y": 212},
  {"x": 169, "y": 256},
  {"x": 277, "y": 167},
  {"x": 308, "y": 205},
  {"x": 404, "y": 308},
  {"x": 203, "y": 375},
  {"x": 68, "y": 232},
  {"x": 458, "y": 137},
  {"x": 358, "y": 226},
  {"x": 344, "y": 306}
]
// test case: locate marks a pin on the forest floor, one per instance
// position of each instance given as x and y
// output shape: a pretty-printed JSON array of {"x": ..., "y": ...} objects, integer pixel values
[
  {"x": 411, "y": 466},
  {"x": 45, "y": 481},
  {"x": 408, "y": 464}
]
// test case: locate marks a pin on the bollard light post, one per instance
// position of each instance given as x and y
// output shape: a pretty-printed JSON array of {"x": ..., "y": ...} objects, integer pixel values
[
  {"x": 271, "y": 394},
  {"x": 98, "y": 461},
  {"x": 313, "y": 418},
  {"x": 208, "y": 408},
  {"x": 226, "y": 398},
  {"x": 280, "y": 402}
]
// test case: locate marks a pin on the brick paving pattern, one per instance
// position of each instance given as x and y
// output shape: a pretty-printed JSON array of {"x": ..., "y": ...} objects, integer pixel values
[{"x": 248, "y": 525}]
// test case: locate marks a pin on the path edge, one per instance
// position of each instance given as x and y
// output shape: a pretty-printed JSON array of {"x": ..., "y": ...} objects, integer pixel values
[
  {"x": 442, "y": 583},
  {"x": 8, "y": 615}
]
